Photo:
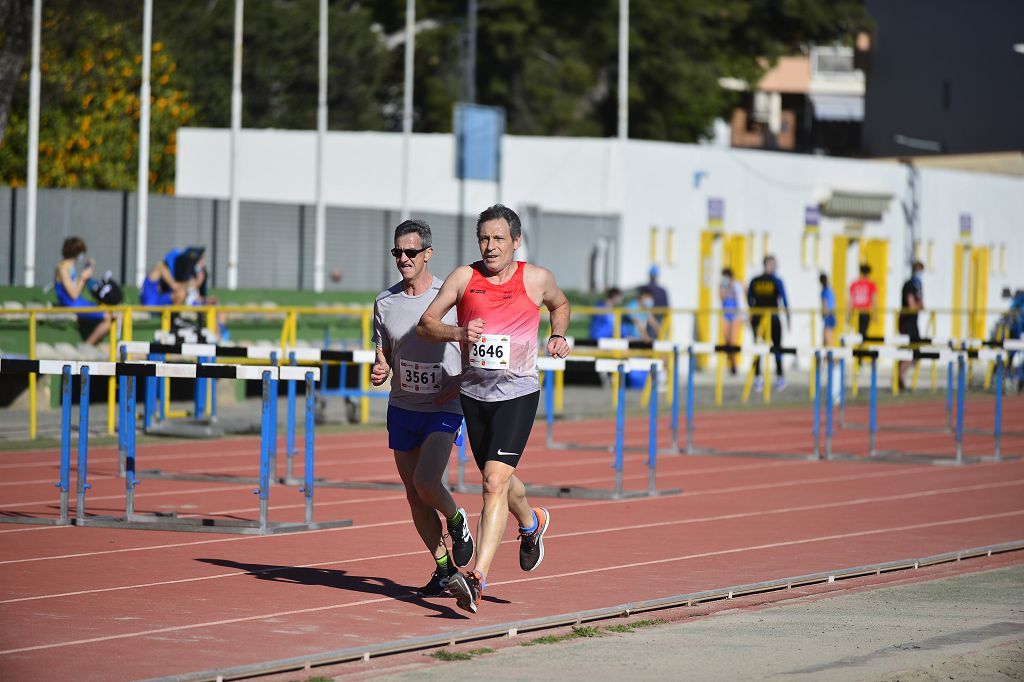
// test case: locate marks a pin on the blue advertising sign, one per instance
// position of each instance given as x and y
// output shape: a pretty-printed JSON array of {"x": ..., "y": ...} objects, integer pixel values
[
  {"x": 812, "y": 216},
  {"x": 966, "y": 225},
  {"x": 478, "y": 133},
  {"x": 716, "y": 213}
]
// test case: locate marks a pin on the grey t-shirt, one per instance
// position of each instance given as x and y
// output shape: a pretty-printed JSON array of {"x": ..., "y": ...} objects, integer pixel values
[{"x": 395, "y": 316}]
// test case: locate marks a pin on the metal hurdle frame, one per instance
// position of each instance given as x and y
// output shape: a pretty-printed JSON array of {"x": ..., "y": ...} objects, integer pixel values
[
  {"x": 65, "y": 369},
  {"x": 637, "y": 364},
  {"x": 128, "y": 373},
  {"x": 273, "y": 355},
  {"x": 621, "y": 366},
  {"x": 955, "y": 393},
  {"x": 171, "y": 521},
  {"x": 763, "y": 351}
]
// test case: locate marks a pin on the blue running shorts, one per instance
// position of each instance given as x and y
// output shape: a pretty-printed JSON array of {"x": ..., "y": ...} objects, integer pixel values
[{"x": 407, "y": 429}]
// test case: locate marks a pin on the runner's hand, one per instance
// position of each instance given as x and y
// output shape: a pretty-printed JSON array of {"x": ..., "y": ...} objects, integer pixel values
[
  {"x": 558, "y": 347},
  {"x": 381, "y": 369},
  {"x": 472, "y": 331}
]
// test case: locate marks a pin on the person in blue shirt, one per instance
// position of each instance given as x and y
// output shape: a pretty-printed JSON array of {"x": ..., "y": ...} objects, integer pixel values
[
  {"x": 767, "y": 291},
  {"x": 160, "y": 287},
  {"x": 602, "y": 326},
  {"x": 70, "y": 280},
  {"x": 730, "y": 293},
  {"x": 828, "y": 311}
]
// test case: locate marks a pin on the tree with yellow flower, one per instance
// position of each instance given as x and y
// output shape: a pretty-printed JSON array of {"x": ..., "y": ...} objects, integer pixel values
[{"x": 89, "y": 113}]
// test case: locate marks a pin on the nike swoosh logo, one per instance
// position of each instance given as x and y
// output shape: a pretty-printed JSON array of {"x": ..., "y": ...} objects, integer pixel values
[{"x": 502, "y": 453}]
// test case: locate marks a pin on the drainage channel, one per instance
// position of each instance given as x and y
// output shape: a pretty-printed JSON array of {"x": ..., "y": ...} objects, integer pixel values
[{"x": 366, "y": 652}]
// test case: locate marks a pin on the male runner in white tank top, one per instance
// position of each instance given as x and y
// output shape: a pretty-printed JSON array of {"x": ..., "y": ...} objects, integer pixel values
[
  {"x": 421, "y": 426},
  {"x": 498, "y": 300}
]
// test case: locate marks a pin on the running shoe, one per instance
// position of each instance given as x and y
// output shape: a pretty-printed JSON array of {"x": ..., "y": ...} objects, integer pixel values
[
  {"x": 462, "y": 540},
  {"x": 531, "y": 545},
  {"x": 467, "y": 588},
  {"x": 780, "y": 384},
  {"x": 438, "y": 585},
  {"x": 758, "y": 383}
]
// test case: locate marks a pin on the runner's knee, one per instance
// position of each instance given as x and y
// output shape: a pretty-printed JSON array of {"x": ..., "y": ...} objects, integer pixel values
[
  {"x": 495, "y": 483},
  {"x": 426, "y": 488}
]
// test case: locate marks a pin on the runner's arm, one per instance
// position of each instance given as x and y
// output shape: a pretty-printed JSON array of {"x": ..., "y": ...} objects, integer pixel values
[
  {"x": 382, "y": 361},
  {"x": 431, "y": 325},
  {"x": 559, "y": 312}
]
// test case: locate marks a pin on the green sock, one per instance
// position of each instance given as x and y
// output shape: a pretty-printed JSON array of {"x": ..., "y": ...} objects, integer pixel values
[
  {"x": 443, "y": 562},
  {"x": 455, "y": 520}
]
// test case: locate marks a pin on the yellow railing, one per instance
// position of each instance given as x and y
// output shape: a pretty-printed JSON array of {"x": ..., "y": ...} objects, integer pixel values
[{"x": 123, "y": 327}]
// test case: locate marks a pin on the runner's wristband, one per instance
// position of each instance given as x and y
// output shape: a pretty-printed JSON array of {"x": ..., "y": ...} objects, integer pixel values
[{"x": 556, "y": 336}]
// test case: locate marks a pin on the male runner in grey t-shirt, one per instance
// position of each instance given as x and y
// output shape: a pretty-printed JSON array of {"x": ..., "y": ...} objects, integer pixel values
[{"x": 421, "y": 430}]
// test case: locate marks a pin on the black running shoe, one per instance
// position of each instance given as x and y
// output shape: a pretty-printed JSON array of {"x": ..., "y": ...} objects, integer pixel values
[
  {"x": 467, "y": 588},
  {"x": 531, "y": 545},
  {"x": 462, "y": 540},
  {"x": 438, "y": 585}
]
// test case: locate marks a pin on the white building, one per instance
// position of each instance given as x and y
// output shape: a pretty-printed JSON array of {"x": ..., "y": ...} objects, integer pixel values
[{"x": 639, "y": 193}]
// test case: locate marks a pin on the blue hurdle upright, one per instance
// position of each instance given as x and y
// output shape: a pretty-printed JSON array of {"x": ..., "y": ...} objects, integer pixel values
[
  {"x": 274, "y": 356},
  {"x": 128, "y": 374},
  {"x": 64, "y": 369},
  {"x": 956, "y": 391},
  {"x": 621, "y": 367}
]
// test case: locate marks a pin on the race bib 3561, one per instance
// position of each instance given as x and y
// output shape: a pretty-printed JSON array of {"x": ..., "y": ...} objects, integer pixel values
[{"x": 419, "y": 377}]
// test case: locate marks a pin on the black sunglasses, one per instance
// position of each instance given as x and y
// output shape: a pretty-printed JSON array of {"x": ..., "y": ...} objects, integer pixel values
[{"x": 409, "y": 253}]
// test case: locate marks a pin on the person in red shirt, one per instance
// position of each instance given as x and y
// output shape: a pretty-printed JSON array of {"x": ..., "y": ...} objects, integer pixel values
[{"x": 863, "y": 295}]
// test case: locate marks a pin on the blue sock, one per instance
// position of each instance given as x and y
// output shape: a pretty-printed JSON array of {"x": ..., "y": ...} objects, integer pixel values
[{"x": 527, "y": 531}]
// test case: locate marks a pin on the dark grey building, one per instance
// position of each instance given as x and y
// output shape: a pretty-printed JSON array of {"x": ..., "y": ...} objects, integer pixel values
[{"x": 944, "y": 76}]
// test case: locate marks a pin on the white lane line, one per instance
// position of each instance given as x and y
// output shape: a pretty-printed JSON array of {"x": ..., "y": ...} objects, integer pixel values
[
  {"x": 319, "y": 504},
  {"x": 617, "y": 568},
  {"x": 761, "y": 486},
  {"x": 140, "y": 495},
  {"x": 657, "y": 524}
]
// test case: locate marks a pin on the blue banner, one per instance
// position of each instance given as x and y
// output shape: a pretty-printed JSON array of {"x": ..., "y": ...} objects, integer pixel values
[{"x": 478, "y": 132}]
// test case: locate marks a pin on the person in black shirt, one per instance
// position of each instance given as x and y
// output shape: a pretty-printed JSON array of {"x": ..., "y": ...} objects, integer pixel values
[
  {"x": 911, "y": 302},
  {"x": 660, "y": 301},
  {"x": 767, "y": 291}
]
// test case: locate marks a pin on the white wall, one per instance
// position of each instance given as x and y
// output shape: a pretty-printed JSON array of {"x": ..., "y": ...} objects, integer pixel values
[{"x": 647, "y": 183}]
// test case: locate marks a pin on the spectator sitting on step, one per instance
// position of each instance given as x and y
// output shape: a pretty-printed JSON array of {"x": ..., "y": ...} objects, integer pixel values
[
  {"x": 160, "y": 287},
  {"x": 602, "y": 326},
  {"x": 641, "y": 325},
  {"x": 70, "y": 279}
]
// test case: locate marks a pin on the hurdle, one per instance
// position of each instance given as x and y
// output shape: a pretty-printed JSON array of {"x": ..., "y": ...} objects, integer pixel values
[
  {"x": 763, "y": 351},
  {"x": 621, "y": 367},
  {"x": 131, "y": 372},
  {"x": 65, "y": 369},
  {"x": 955, "y": 404},
  {"x": 272, "y": 355},
  {"x": 637, "y": 364}
]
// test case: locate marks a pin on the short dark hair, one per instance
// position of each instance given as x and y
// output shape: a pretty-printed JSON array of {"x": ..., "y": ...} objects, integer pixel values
[
  {"x": 769, "y": 257},
  {"x": 865, "y": 269},
  {"x": 613, "y": 292},
  {"x": 823, "y": 279},
  {"x": 645, "y": 291},
  {"x": 73, "y": 246},
  {"x": 918, "y": 265},
  {"x": 419, "y": 227},
  {"x": 726, "y": 272},
  {"x": 515, "y": 227}
]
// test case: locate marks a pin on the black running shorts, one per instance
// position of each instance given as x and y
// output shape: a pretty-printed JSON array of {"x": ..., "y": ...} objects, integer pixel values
[
  {"x": 498, "y": 431},
  {"x": 908, "y": 326}
]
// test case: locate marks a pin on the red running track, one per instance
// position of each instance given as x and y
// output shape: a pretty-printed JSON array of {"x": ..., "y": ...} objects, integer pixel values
[{"x": 104, "y": 604}]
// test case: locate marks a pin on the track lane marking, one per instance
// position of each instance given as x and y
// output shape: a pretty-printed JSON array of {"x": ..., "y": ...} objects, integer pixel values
[
  {"x": 617, "y": 567},
  {"x": 657, "y": 524}
]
